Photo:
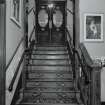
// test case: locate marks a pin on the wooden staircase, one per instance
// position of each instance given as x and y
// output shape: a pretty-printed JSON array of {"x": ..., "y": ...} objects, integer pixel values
[{"x": 49, "y": 77}]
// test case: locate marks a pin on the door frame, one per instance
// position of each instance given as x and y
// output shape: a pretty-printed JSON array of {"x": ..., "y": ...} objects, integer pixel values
[{"x": 2, "y": 50}]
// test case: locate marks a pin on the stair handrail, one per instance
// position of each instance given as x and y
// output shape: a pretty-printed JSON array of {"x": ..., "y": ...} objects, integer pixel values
[
  {"x": 86, "y": 72},
  {"x": 75, "y": 51},
  {"x": 22, "y": 39},
  {"x": 10, "y": 88},
  {"x": 31, "y": 35},
  {"x": 34, "y": 27}
]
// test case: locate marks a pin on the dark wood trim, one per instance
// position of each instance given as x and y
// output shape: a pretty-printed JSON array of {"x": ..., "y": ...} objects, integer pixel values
[
  {"x": 16, "y": 73},
  {"x": 102, "y": 103},
  {"x": 14, "y": 53},
  {"x": 70, "y": 11},
  {"x": 31, "y": 10},
  {"x": 87, "y": 57},
  {"x": 2, "y": 50}
]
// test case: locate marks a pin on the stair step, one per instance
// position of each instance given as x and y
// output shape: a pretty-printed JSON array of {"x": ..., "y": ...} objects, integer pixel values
[
  {"x": 49, "y": 52},
  {"x": 50, "y": 68},
  {"x": 30, "y": 103},
  {"x": 50, "y": 91},
  {"x": 50, "y": 56},
  {"x": 51, "y": 45},
  {"x": 50, "y": 71},
  {"x": 33, "y": 83},
  {"x": 49, "y": 76},
  {"x": 49, "y": 62},
  {"x": 51, "y": 80},
  {"x": 50, "y": 95},
  {"x": 52, "y": 48},
  {"x": 49, "y": 99},
  {"x": 51, "y": 88}
]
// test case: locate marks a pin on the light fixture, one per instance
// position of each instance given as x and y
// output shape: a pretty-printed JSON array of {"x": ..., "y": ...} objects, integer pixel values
[{"x": 50, "y": 5}]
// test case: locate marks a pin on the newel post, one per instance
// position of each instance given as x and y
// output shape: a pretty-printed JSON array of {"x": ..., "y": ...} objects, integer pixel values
[{"x": 95, "y": 86}]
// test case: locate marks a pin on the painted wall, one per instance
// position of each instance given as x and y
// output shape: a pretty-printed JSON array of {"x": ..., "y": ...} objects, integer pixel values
[
  {"x": 95, "y": 49},
  {"x": 14, "y": 33}
]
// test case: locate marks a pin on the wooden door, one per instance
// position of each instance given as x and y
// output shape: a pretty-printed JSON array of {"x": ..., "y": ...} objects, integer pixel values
[{"x": 50, "y": 22}]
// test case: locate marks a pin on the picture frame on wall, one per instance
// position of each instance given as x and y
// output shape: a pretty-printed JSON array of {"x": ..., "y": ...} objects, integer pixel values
[{"x": 93, "y": 27}]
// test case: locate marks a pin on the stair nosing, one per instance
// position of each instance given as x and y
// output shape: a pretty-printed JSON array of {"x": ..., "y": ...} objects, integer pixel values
[
  {"x": 32, "y": 80},
  {"x": 68, "y": 65},
  {"x": 72, "y": 91},
  {"x": 29, "y": 103}
]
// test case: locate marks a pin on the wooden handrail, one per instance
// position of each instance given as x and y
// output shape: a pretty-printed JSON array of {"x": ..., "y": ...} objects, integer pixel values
[
  {"x": 87, "y": 73},
  {"x": 22, "y": 39},
  {"x": 32, "y": 9},
  {"x": 68, "y": 34},
  {"x": 70, "y": 11},
  {"x": 32, "y": 33},
  {"x": 79, "y": 58},
  {"x": 10, "y": 88},
  {"x": 82, "y": 66}
]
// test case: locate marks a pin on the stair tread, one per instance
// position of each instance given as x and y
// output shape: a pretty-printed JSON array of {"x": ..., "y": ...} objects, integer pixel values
[
  {"x": 50, "y": 68},
  {"x": 49, "y": 52},
  {"x": 49, "y": 57},
  {"x": 51, "y": 48},
  {"x": 57, "y": 91},
  {"x": 33, "y": 80},
  {"x": 45, "y": 100},
  {"x": 67, "y": 65},
  {"x": 59, "y": 54},
  {"x": 50, "y": 71},
  {"x": 30, "y": 103}
]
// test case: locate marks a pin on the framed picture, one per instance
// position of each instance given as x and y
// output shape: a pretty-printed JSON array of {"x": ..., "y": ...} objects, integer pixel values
[
  {"x": 16, "y": 11},
  {"x": 93, "y": 27}
]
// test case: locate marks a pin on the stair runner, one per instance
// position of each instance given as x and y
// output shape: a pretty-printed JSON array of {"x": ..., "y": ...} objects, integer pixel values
[{"x": 49, "y": 77}]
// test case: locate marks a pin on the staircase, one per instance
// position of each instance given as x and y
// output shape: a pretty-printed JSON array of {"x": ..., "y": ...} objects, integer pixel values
[{"x": 49, "y": 78}]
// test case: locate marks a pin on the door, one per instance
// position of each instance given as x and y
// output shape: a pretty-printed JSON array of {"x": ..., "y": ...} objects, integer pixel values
[{"x": 50, "y": 22}]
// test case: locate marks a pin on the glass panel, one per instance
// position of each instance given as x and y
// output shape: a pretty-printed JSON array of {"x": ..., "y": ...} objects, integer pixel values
[
  {"x": 42, "y": 18},
  {"x": 57, "y": 18}
]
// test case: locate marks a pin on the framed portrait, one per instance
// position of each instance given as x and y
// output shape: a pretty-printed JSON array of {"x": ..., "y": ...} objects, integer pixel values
[{"x": 93, "y": 27}]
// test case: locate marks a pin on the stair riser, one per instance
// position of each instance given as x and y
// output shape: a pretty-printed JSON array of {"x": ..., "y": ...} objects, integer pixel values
[
  {"x": 51, "y": 48},
  {"x": 50, "y": 57},
  {"x": 49, "y": 52},
  {"x": 50, "y": 62},
  {"x": 49, "y": 76},
  {"x": 49, "y": 71},
  {"x": 50, "y": 68},
  {"x": 49, "y": 84},
  {"x": 50, "y": 89},
  {"x": 48, "y": 104},
  {"x": 49, "y": 95}
]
